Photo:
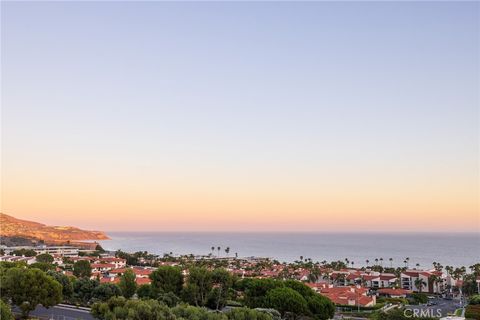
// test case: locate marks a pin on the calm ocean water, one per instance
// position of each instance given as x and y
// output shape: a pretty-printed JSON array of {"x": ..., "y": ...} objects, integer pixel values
[{"x": 423, "y": 248}]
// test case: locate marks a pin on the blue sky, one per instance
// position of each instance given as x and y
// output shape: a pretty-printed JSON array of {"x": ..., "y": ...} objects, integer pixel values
[{"x": 296, "y": 96}]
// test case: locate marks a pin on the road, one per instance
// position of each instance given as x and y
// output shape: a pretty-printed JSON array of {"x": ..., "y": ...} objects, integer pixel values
[
  {"x": 441, "y": 307},
  {"x": 61, "y": 313}
]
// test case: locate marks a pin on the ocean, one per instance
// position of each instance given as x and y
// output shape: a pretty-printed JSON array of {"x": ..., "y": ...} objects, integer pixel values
[{"x": 454, "y": 249}]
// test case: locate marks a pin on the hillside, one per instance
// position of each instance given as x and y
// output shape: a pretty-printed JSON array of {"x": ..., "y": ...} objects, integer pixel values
[{"x": 13, "y": 227}]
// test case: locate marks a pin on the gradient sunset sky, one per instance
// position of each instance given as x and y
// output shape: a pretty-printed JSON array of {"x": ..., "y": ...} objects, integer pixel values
[{"x": 242, "y": 116}]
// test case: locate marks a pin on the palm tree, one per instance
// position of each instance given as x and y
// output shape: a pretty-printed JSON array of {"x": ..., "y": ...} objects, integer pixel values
[
  {"x": 435, "y": 280},
  {"x": 227, "y": 250},
  {"x": 381, "y": 262},
  {"x": 376, "y": 261},
  {"x": 236, "y": 255},
  {"x": 407, "y": 259},
  {"x": 419, "y": 283},
  {"x": 353, "y": 262},
  {"x": 367, "y": 261},
  {"x": 218, "y": 249},
  {"x": 391, "y": 262},
  {"x": 449, "y": 270},
  {"x": 213, "y": 249},
  {"x": 417, "y": 265}
]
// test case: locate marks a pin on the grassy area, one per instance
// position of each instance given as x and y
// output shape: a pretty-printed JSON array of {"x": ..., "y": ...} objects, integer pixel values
[{"x": 458, "y": 312}]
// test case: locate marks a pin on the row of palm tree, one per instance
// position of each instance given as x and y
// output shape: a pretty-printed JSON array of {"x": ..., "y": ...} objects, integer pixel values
[{"x": 227, "y": 251}]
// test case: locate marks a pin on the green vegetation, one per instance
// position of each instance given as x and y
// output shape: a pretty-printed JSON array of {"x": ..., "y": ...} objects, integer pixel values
[
  {"x": 198, "y": 286},
  {"x": 44, "y": 258},
  {"x": 65, "y": 282},
  {"x": 470, "y": 284},
  {"x": 167, "y": 279},
  {"x": 472, "y": 311},
  {"x": 475, "y": 299},
  {"x": 24, "y": 252},
  {"x": 27, "y": 288},
  {"x": 42, "y": 266},
  {"x": 83, "y": 290},
  {"x": 418, "y": 298},
  {"x": 5, "y": 311},
  {"x": 121, "y": 308},
  {"x": 289, "y": 297},
  {"x": 82, "y": 269},
  {"x": 137, "y": 258},
  {"x": 105, "y": 291},
  {"x": 128, "y": 285},
  {"x": 287, "y": 301}
]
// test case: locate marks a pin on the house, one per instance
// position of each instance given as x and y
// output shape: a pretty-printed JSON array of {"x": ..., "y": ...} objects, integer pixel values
[
  {"x": 102, "y": 267},
  {"x": 410, "y": 280},
  {"x": 318, "y": 286},
  {"x": 371, "y": 281},
  {"x": 387, "y": 280},
  {"x": 13, "y": 258},
  {"x": 349, "y": 296},
  {"x": 117, "y": 262}
]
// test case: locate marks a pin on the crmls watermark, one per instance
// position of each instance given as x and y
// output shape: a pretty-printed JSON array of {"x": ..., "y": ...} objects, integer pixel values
[{"x": 422, "y": 313}]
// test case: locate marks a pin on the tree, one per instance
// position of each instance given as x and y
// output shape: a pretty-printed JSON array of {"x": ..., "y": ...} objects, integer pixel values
[
  {"x": 5, "y": 311},
  {"x": 419, "y": 298},
  {"x": 255, "y": 291},
  {"x": 300, "y": 287},
  {"x": 82, "y": 269},
  {"x": 186, "y": 312},
  {"x": 42, "y": 266},
  {"x": 127, "y": 284},
  {"x": 321, "y": 307},
  {"x": 287, "y": 301},
  {"x": 24, "y": 252},
  {"x": 199, "y": 284},
  {"x": 474, "y": 300},
  {"x": 120, "y": 308},
  {"x": 419, "y": 283},
  {"x": 44, "y": 258},
  {"x": 247, "y": 314},
  {"x": 67, "y": 286},
  {"x": 167, "y": 279},
  {"x": 169, "y": 299},
  {"x": 105, "y": 291},
  {"x": 28, "y": 288},
  {"x": 223, "y": 282},
  {"x": 83, "y": 289},
  {"x": 145, "y": 291},
  {"x": 469, "y": 286}
]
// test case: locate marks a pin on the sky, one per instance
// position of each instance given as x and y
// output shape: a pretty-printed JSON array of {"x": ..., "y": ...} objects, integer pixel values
[{"x": 242, "y": 116}]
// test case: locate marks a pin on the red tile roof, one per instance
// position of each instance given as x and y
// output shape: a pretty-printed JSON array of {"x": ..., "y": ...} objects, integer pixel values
[{"x": 394, "y": 292}]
